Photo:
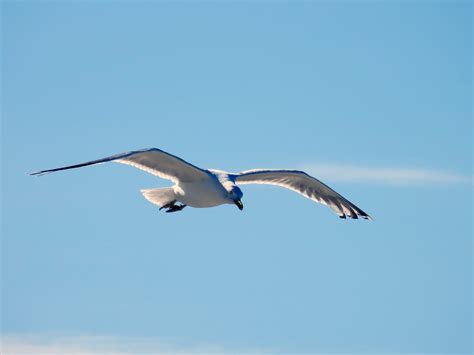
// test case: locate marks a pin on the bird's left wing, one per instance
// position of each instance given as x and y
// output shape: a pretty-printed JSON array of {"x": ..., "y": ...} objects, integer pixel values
[
  {"x": 303, "y": 184},
  {"x": 153, "y": 161}
]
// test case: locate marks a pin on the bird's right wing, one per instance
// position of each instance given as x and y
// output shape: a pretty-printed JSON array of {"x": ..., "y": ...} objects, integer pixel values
[
  {"x": 153, "y": 161},
  {"x": 303, "y": 184}
]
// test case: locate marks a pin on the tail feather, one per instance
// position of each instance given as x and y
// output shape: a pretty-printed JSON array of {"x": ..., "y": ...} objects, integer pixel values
[{"x": 159, "y": 197}]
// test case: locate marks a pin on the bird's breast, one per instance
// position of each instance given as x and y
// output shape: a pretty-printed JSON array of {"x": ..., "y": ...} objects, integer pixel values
[{"x": 207, "y": 193}]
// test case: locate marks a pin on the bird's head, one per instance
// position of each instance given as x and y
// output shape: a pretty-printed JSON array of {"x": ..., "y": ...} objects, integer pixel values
[{"x": 235, "y": 194}]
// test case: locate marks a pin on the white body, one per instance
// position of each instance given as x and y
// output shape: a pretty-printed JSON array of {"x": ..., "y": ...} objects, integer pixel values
[{"x": 201, "y": 194}]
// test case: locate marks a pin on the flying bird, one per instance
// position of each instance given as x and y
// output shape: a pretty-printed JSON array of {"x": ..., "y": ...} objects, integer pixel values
[{"x": 196, "y": 187}]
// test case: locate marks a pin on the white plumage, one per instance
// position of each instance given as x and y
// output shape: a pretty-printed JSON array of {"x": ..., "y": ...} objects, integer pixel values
[{"x": 201, "y": 188}]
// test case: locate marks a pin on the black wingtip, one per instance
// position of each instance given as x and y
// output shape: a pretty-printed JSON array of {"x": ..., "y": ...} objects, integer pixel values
[
  {"x": 357, "y": 216},
  {"x": 366, "y": 217},
  {"x": 38, "y": 173}
]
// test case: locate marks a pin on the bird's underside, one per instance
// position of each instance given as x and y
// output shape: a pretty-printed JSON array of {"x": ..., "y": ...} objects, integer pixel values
[{"x": 196, "y": 187}]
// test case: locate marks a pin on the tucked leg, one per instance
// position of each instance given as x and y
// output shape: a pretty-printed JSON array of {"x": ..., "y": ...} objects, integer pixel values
[
  {"x": 175, "y": 208},
  {"x": 168, "y": 205}
]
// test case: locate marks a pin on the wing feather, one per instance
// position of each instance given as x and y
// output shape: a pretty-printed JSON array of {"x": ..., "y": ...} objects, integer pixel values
[
  {"x": 304, "y": 184},
  {"x": 152, "y": 160}
]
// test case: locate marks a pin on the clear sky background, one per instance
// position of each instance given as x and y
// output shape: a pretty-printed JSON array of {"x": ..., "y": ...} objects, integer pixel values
[{"x": 374, "y": 98}]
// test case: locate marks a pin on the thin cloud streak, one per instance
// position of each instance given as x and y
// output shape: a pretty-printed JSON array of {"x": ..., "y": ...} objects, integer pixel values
[
  {"x": 95, "y": 345},
  {"x": 384, "y": 175},
  {"x": 109, "y": 345}
]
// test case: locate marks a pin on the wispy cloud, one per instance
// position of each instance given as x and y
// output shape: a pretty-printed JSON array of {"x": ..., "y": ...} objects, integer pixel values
[
  {"x": 110, "y": 345},
  {"x": 384, "y": 175},
  {"x": 47, "y": 344}
]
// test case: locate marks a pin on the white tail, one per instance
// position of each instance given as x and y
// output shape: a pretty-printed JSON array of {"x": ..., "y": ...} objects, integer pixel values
[{"x": 159, "y": 197}]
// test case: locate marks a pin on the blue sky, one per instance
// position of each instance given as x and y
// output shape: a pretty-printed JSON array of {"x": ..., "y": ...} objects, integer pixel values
[{"x": 374, "y": 98}]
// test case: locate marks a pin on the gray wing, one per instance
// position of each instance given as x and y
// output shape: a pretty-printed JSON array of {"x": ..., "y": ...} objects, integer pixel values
[
  {"x": 305, "y": 185},
  {"x": 153, "y": 161}
]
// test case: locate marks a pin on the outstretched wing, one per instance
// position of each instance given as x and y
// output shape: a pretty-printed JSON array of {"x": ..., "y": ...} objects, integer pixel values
[
  {"x": 305, "y": 185},
  {"x": 153, "y": 161}
]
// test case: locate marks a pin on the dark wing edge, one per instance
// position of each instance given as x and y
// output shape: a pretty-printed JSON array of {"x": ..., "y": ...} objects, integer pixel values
[
  {"x": 319, "y": 192},
  {"x": 75, "y": 166}
]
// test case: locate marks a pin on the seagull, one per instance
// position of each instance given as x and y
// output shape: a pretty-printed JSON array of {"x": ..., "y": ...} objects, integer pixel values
[{"x": 201, "y": 188}]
